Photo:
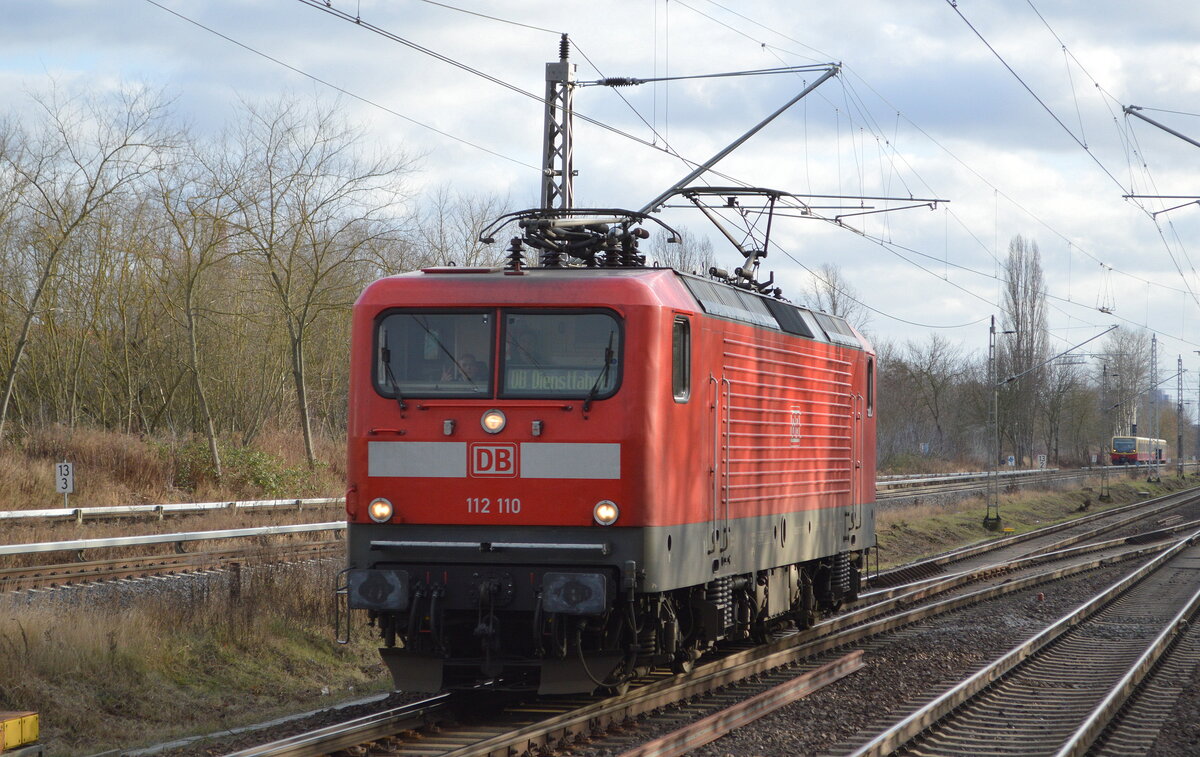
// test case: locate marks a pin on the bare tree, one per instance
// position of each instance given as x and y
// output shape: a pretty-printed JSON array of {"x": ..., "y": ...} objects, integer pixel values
[
  {"x": 201, "y": 231},
  {"x": 1062, "y": 378},
  {"x": 897, "y": 430},
  {"x": 935, "y": 369},
  {"x": 312, "y": 206},
  {"x": 828, "y": 290},
  {"x": 86, "y": 154},
  {"x": 691, "y": 254},
  {"x": 447, "y": 231},
  {"x": 1124, "y": 378}
]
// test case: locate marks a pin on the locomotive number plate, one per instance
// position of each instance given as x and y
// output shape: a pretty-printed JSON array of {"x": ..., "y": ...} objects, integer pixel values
[{"x": 489, "y": 506}]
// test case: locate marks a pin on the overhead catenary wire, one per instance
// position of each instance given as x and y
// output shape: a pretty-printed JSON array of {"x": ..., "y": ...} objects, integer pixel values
[
  {"x": 342, "y": 90},
  {"x": 477, "y": 14},
  {"x": 897, "y": 318},
  {"x": 852, "y": 74},
  {"x": 883, "y": 242},
  {"x": 851, "y": 93},
  {"x": 850, "y": 70},
  {"x": 630, "y": 81},
  {"x": 1176, "y": 112},
  {"x": 368, "y": 26},
  {"x": 954, "y": 5},
  {"x": 358, "y": 21}
]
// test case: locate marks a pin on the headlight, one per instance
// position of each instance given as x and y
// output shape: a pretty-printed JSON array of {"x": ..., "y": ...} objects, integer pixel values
[
  {"x": 492, "y": 421},
  {"x": 605, "y": 512},
  {"x": 380, "y": 510}
]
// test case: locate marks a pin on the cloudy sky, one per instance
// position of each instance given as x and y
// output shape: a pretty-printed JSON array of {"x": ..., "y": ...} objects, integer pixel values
[{"x": 925, "y": 105}]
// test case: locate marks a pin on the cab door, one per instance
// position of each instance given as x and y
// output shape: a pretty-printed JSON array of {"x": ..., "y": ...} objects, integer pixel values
[{"x": 719, "y": 394}]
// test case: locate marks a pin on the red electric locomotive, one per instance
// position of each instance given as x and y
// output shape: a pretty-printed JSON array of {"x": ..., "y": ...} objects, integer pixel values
[{"x": 562, "y": 475}]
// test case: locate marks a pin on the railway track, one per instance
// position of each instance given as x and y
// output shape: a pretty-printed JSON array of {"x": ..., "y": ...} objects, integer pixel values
[
  {"x": 41, "y": 577},
  {"x": 1055, "y": 694},
  {"x": 884, "y": 610},
  {"x": 1170, "y": 510},
  {"x": 547, "y": 723}
]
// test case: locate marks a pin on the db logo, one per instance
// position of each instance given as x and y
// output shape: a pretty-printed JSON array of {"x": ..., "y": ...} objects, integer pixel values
[{"x": 494, "y": 460}]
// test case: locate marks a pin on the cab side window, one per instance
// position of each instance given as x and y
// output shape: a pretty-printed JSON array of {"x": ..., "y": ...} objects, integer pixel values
[
  {"x": 681, "y": 359},
  {"x": 870, "y": 387}
]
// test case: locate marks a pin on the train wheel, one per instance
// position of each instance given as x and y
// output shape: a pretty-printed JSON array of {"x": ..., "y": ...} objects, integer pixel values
[
  {"x": 685, "y": 660},
  {"x": 804, "y": 612},
  {"x": 619, "y": 690}
]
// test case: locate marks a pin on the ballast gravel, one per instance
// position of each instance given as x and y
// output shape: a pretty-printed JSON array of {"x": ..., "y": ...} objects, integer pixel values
[{"x": 902, "y": 671}]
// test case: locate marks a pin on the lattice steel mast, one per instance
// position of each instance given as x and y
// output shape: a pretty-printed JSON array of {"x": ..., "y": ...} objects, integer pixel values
[{"x": 558, "y": 160}]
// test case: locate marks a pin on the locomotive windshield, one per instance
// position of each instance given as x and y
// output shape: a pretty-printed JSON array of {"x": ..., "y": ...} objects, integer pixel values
[
  {"x": 1123, "y": 444},
  {"x": 423, "y": 354},
  {"x": 558, "y": 354}
]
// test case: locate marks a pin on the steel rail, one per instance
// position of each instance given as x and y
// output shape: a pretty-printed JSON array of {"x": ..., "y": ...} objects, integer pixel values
[
  {"x": 887, "y": 482},
  {"x": 713, "y": 727},
  {"x": 911, "y": 726},
  {"x": 890, "y": 497},
  {"x": 1102, "y": 715},
  {"x": 794, "y": 648},
  {"x": 179, "y": 538},
  {"x": 354, "y": 732},
  {"x": 61, "y": 575},
  {"x": 181, "y": 508},
  {"x": 936, "y": 585}
]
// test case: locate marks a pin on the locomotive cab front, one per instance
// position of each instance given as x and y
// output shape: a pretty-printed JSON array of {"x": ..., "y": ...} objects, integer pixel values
[{"x": 490, "y": 475}]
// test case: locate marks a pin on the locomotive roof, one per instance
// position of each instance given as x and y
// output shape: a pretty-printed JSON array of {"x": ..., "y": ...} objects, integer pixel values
[{"x": 664, "y": 287}]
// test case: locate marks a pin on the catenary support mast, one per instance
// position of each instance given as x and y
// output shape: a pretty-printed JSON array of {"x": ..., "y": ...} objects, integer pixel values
[{"x": 558, "y": 161}]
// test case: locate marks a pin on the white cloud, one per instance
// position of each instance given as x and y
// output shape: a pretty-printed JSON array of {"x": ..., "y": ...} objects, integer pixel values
[{"x": 915, "y": 57}]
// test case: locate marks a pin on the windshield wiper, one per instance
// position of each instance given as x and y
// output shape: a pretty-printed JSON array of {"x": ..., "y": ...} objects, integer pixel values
[
  {"x": 394, "y": 385},
  {"x": 602, "y": 376}
]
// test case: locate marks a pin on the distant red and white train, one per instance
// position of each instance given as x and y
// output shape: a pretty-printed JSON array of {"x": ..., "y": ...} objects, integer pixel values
[
  {"x": 560, "y": 476},
  {"x": 1132, "y": 450}
]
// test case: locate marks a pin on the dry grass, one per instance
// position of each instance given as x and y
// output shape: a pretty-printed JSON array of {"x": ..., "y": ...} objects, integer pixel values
[
  {"x": 910, "y": 465},
  {"x": 121, "y": 469},
  {"x": 159, "y": 665},
  {"x": 151, "y": 666}
]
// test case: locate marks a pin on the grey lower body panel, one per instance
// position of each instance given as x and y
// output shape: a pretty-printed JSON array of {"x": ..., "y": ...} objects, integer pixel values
[
  {"x": 678, "y": 556},
  {"x": 665, "y": 557}
]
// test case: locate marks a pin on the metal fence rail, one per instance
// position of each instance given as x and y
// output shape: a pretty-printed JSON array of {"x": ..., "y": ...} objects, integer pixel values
[
  {"x": 76, "y": 545},
  {"x": 887, "y": 482},
  {"x": 79, "y": 513}
]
